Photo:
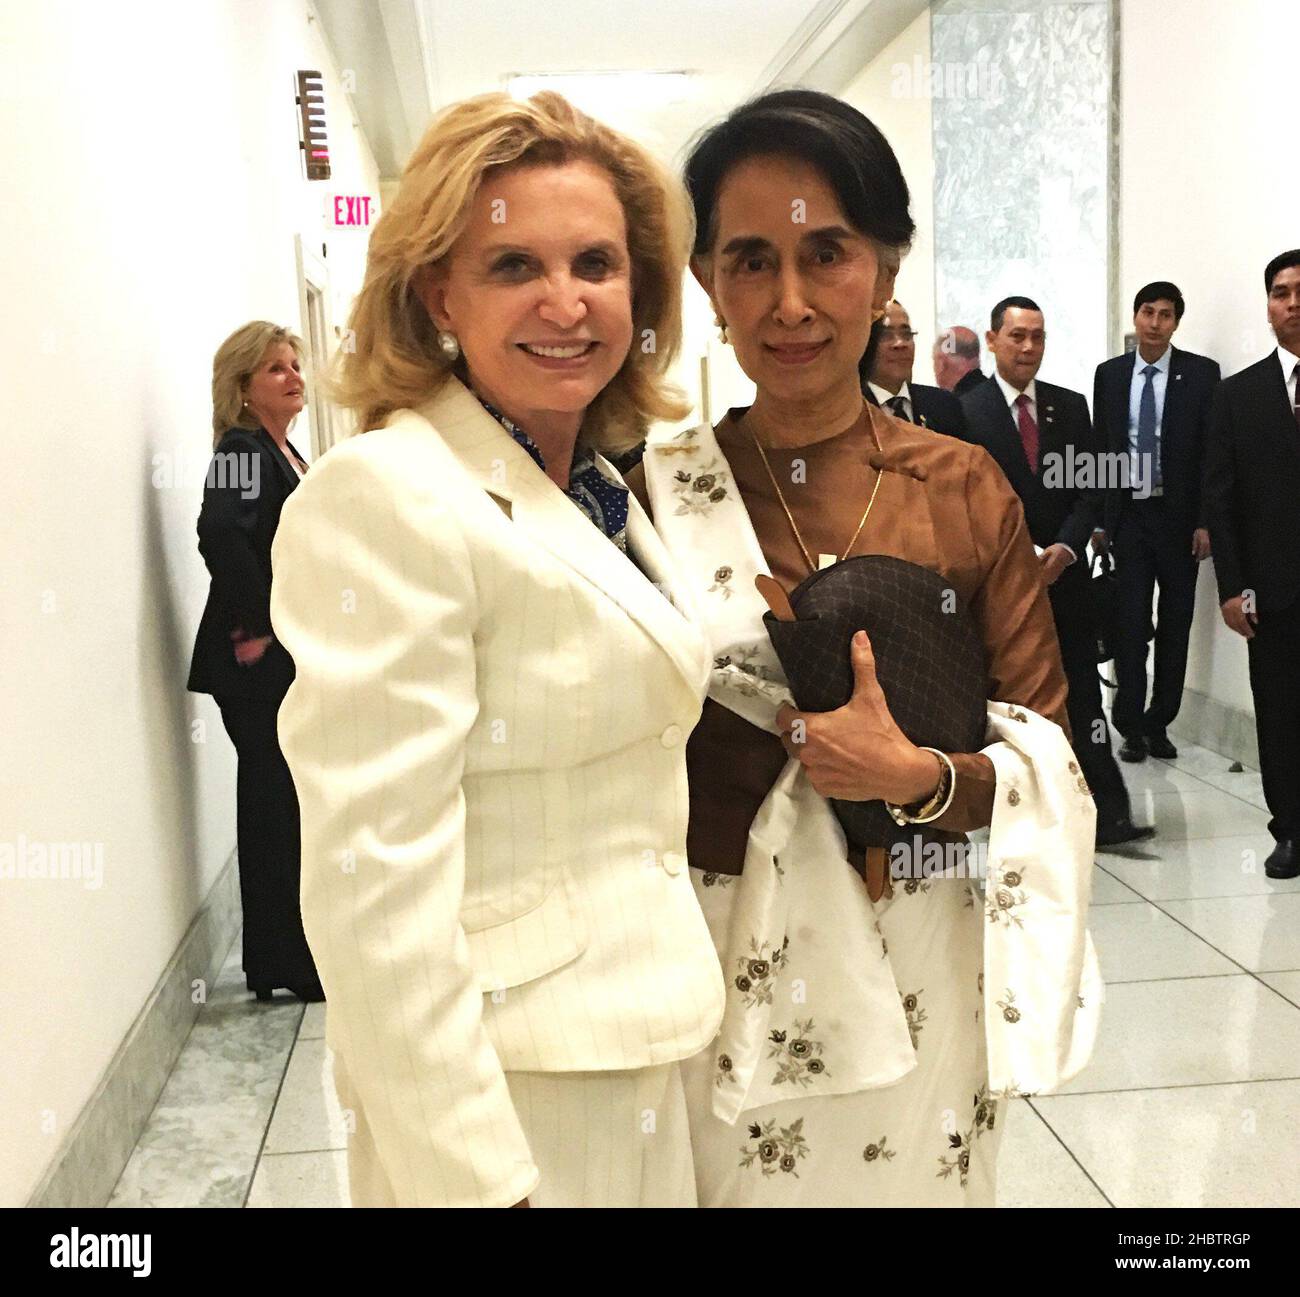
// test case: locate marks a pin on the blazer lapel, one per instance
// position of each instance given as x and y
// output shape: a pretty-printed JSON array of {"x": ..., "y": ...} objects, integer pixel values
[
  {"x": 1119, "y": 405},
  {"x": 505, "y": 470},
  {"x": 1012, "y": 447},
  {"x": 1279, "y": 401},
  {"x": 1051, "y": 439},
  {"x": 283, "y": 467},
  {"x": 1171, "y": 418}
]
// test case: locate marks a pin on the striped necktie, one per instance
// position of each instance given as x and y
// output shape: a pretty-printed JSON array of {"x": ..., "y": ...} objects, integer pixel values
[{"x": 1028, "y": 431}]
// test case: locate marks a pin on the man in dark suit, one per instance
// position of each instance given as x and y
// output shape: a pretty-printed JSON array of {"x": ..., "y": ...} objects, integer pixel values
[
  {"x": 887, "y": 378},
  {"x": 957, "y": 360},
  {"x": 1150, "y": 410},
  {"x": 1041, "y": 437},
  {"x": 1251, "y": 491}
]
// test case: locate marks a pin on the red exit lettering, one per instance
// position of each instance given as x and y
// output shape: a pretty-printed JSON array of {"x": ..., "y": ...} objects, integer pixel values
[{"x": 351, "y": 210}]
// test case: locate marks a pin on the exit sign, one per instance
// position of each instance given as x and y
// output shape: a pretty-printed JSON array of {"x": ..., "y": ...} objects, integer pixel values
[{"x": 350, "y": 209}]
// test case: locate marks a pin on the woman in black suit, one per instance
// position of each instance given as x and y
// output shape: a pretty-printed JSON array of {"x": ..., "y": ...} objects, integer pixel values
[{"x": 257, "y": 392}]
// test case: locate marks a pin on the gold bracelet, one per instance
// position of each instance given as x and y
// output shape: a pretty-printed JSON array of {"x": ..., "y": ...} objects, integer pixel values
[{"x": 939, "y": 801}]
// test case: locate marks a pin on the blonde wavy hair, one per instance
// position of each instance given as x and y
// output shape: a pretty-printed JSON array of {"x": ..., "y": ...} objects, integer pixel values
[
  {"x": 396, "y": 362},
  {"x": 236, "y": 361}
]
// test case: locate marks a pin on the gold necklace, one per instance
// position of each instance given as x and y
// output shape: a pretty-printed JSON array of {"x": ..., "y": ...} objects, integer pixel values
[{"x": 794, "y": 526}]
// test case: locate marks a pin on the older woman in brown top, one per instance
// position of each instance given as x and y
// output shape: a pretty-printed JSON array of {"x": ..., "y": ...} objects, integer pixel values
[{"x": 802, "y": 216}]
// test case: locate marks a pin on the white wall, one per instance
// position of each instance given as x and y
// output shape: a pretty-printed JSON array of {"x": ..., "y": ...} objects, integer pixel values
[
  {"x": 1208, "y": 195},
  {"x": 152, "y": 195},
  {"x": 895, "y": 100}
]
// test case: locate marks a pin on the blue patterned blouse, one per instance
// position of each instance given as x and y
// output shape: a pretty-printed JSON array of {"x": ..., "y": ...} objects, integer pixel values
[{"x": 603, "y": 501}]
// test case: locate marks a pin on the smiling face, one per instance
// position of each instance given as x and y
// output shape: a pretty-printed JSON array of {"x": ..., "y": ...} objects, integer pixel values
[
  {"x": 275, "y": 391},
  {"x": 538, "y": 289},
  {"x": 1018, "y": 345},
  {"x": 896, "y": 354},
  {"x": 791, "y": 278},
  {"x": 1155, "y": 323},
  {"x": 1284, "y": 308}
]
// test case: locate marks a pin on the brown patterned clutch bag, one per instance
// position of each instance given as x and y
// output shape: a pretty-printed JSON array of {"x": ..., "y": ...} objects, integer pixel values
[{"x": 929, "y": 660}]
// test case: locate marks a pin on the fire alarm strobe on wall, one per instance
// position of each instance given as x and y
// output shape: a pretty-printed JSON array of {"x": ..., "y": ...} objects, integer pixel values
[{"x": 311, "y": 125}]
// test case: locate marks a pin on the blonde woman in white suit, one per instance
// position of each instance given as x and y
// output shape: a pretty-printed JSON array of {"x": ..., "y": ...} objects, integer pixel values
[{"x": 495, "y": 684}]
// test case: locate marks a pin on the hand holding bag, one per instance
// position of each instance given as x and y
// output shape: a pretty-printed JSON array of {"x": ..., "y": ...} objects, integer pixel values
[{"x": 929, "y": 661}]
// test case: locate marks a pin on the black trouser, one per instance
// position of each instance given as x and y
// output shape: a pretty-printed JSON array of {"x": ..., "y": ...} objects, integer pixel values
[
  {"x": 275, "y": 948},
  {"x": 1149, "y": 552},
  {"x": 1074, "y": 629},
  {"x": 1275, "y": 685}
]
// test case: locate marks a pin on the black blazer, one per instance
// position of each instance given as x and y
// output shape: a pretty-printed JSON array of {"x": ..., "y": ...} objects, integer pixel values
[
  {"x": 968, "y": 382},
  {"x": 248, "y": 481},
  {"x": 1188, "y": 393},
  {"x": 933, "y": 407},
  {"x": 1057, "y": 512},
  {"x": 1251, "y": 487}
]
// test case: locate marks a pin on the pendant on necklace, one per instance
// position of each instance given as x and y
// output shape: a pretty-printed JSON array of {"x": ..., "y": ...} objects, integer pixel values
[{"x": 825, "y": 561}]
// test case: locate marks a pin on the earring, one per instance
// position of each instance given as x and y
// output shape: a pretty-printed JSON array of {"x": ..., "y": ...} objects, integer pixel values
[
  {"x": 448, "y": 344},
  {"x": 722, "y": 329}
]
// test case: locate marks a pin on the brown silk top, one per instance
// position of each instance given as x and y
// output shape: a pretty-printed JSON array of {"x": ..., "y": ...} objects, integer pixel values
[{"x": 963, "y": 522}]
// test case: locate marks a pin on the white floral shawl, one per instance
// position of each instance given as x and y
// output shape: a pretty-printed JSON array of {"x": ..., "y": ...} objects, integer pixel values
[{"x": 1042, "y": 986}]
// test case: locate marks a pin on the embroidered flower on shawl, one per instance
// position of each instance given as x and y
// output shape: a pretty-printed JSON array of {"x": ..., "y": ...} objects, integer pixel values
[
  {"x": 758, "y": 971},
  {"x": 775, "y": 1149},
  {"x": 986, "y": 1111},
  {"x": 1001, "y": 901},
  {"x": 874, "y": 1152},
  {"x": 720, "y": 579},
  {"x": 915, "y": 1015},
  {"x": 711, "y": 879},
  {"x": 700, "y": 492},
  {"x": 726, "y": 1070},
  {"x": 799, "y": 1060},
  {"x": 1014, "y": 797},
  {"x": 1008, "y": 1007},
  {"x": 960, "y": 1146},
  {"x": 741, "y": 673}
]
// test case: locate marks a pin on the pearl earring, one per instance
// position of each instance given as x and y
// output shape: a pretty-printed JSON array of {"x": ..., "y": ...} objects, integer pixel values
[
  {"x": 448, "y": 344},
  {"x": 722, "y": 329}
]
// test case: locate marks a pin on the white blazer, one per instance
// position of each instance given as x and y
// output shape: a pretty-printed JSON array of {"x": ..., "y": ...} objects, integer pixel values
[{"x": 486, "y": 733}]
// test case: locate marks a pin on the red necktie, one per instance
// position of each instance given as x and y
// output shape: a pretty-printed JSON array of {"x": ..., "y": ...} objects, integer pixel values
[{"x": 1028, "y": 431}]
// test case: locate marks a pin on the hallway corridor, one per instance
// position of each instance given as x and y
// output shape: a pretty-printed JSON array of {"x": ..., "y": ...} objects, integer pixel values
[{"x": 1189, "y": 1101}]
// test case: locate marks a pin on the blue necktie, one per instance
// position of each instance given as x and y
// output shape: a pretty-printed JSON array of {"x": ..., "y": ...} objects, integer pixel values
[{"x": 1148, "y": 457}]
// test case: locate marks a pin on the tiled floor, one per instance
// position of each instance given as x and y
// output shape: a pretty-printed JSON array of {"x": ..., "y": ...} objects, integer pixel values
[{"x": 1190, "y": 1099}]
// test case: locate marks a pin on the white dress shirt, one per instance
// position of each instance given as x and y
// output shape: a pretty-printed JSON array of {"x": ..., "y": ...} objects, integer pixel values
[
  {"x": 884, "y": 396},
  {"x": 1012, "y": 396},
  {"x": 1159, "y": 385},
  {"x": 1289, "y": 360}
]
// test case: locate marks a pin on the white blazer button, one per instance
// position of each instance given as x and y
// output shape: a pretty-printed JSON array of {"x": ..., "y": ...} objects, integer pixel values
[
  {"x": 674, "y": 862},
  {"x": 671, "y": 737}
]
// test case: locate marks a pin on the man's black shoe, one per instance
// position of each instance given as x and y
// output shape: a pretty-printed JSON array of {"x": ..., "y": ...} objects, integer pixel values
[
  {"x": 1133, "y": 749},
  {"x": 1116, "y": 831},
  {"x": 1159, "y": 746},
  {"x": 1283, "y": 861}
]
